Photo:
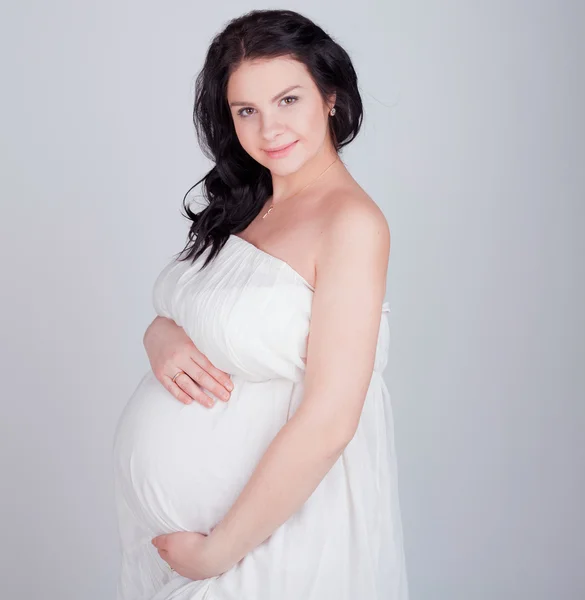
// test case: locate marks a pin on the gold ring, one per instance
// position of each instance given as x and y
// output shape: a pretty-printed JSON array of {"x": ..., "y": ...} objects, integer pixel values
[{"x": 177, "y": 375}]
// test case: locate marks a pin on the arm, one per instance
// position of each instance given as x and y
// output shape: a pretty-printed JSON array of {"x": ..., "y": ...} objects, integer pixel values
[{"x": 346, "y": 312}]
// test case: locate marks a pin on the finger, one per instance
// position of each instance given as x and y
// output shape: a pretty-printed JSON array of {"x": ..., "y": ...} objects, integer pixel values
[
  {"x": 164, "y": 555},
  {"x": 220, "y": 376},
  {"x": 175, "y": 390},
  {"x": 198, "y": 373},
  {"x": 192, "y": 389},
  {"x": 159, "y": 542},
  {"x": 194, "y": 393}
]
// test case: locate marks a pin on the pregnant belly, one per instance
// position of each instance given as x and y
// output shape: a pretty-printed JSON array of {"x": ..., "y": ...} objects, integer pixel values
[{"x": 181, "y": 467}]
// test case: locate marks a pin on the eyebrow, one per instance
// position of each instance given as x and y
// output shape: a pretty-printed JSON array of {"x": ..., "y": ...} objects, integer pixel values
[{"x": 288, "y": 89}]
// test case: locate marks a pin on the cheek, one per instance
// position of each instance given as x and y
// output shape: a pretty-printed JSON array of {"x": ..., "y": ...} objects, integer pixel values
[
  {"x": 251, "y": 142},
  {"x": 246, "y": 137},
  {"x": 311, "y": 127}
]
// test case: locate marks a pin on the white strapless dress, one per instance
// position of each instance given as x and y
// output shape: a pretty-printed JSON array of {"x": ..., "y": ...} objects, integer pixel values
[{"x": 181, "y": 467}]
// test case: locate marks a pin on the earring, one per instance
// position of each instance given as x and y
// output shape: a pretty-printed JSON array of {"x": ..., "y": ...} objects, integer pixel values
[{"x": 332, "y": 111}]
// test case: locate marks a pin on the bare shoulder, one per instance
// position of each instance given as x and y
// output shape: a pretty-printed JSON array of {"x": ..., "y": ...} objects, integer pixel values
[{"x": 352, "y": 220}]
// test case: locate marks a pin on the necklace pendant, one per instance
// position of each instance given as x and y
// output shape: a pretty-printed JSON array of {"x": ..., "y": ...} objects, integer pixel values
[{"x": 267, "y": 212}]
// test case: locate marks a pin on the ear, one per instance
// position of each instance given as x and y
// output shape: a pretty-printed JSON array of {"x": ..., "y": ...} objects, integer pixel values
[{"x": 331, "y": 100}]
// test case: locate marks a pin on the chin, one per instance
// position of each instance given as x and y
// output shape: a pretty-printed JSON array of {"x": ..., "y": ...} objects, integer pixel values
[
  {"x": 286, "y": 166},
  {"x": 283, "y": 170}
]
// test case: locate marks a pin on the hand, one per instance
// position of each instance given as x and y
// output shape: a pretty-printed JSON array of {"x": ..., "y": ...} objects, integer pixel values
[
  {"x": 191, "y": 554},
  {"x": 171, "y": 350}
]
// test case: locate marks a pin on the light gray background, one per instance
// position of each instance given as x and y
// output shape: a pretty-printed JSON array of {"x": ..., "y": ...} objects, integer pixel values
[{"x": 473, "y": 145}]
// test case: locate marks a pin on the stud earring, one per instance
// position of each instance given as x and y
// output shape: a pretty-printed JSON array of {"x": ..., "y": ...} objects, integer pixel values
[{"x": 332, "y": 111}]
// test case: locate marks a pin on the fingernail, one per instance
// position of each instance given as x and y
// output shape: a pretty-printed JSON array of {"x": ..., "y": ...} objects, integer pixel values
[{"x": 225, "y": 395}]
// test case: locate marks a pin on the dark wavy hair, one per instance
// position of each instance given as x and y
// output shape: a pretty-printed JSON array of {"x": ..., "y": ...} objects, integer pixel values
[{"x": 237, "y": 187}]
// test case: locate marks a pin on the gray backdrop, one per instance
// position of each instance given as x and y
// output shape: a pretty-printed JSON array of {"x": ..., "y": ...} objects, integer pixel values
[{"x": 473, "y": 145}]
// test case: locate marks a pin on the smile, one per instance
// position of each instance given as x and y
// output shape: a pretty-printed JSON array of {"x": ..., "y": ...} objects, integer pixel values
[{"x": 282, "y": 151}]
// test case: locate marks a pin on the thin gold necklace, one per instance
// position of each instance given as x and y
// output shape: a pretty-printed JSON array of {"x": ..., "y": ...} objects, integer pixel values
[{"x": 272, "y": 205}]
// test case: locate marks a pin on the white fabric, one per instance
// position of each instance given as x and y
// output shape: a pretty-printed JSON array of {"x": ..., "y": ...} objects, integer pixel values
[{"x": 181, "y": 467}]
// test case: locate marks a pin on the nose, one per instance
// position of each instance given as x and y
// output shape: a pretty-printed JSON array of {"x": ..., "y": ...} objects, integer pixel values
[{"x": 271, "y": 126}]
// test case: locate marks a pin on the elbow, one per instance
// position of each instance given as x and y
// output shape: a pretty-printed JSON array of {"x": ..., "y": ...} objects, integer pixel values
[
  {"x": 338, "y": 433},
  {"x": 330, "y": 436},
  {"x": 333, "y": 431},
  {"x": 347, "y": 432},
  {"x": 332, "y": 427}
]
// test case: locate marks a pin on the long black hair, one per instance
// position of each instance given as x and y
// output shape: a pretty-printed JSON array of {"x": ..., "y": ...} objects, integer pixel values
[{"x": 237, "y": 187}]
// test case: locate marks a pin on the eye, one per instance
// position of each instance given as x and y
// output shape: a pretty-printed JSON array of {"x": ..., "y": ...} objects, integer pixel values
[{"x": 241, "y": 111}]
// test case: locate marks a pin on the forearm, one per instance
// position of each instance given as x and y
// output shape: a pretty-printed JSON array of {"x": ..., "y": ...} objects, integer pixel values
[{"x": 292, "y": 467}]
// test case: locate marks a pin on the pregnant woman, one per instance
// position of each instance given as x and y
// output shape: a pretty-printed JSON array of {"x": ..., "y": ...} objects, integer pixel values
[{"x": 288, "y": 489}]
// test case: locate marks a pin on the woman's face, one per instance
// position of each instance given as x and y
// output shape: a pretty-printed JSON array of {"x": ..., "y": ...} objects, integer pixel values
[{"x": 274, "y": 102}]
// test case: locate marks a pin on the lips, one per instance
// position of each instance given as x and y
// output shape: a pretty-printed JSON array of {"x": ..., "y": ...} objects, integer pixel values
[{"x": 281, "y": 150}]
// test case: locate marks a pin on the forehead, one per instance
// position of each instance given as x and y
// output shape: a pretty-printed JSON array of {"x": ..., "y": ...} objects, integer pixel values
[{"x": 260, "y": 79}]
